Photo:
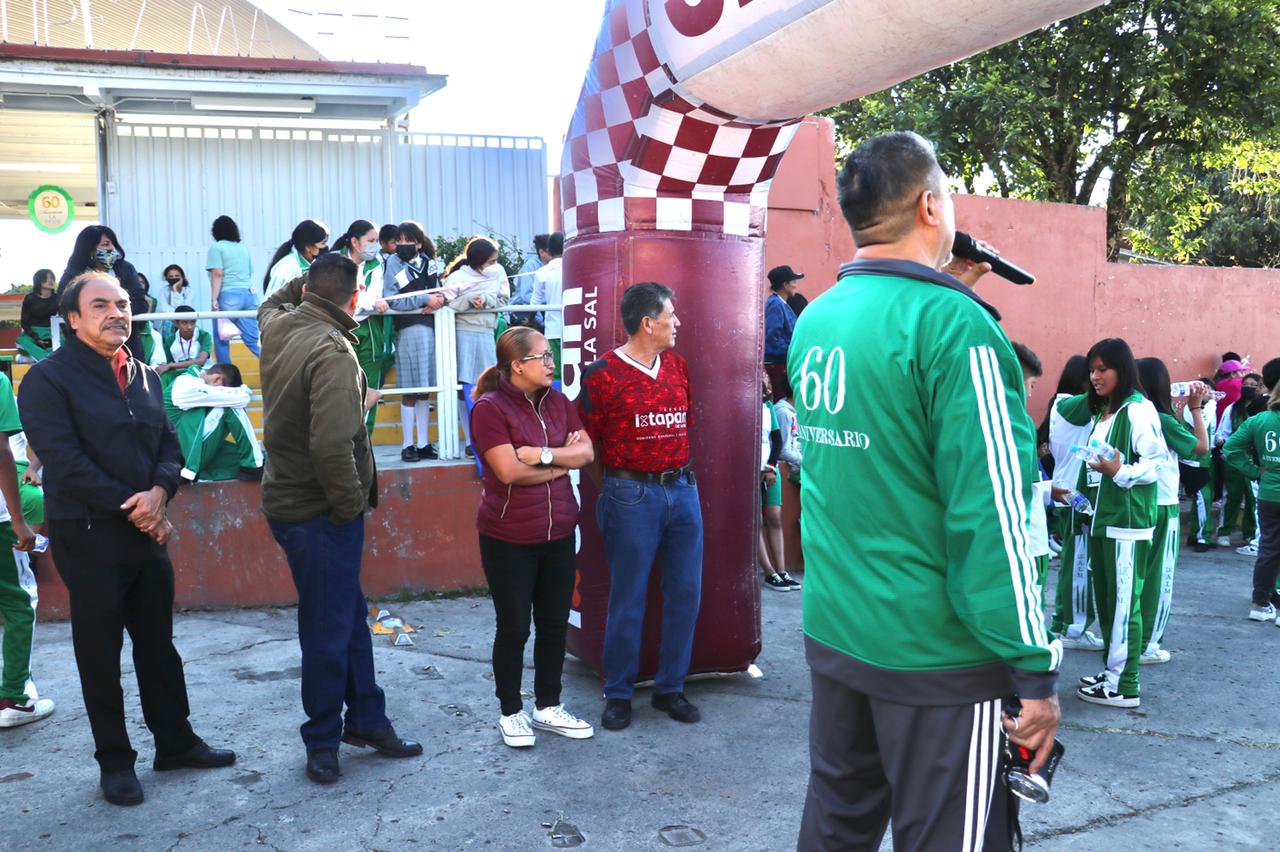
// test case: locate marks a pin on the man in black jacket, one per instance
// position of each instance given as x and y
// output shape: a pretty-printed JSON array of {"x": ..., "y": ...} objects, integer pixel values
[{"x": 96, "y": 418}]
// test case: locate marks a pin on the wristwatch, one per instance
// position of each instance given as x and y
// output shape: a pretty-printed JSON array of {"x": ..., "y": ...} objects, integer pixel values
[{"x": 546, "y": 457}]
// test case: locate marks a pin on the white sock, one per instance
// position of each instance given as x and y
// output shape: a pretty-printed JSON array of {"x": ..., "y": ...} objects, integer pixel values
[
  {"x": 422, "y": 413},
  {"x": 406, "y": 426}
]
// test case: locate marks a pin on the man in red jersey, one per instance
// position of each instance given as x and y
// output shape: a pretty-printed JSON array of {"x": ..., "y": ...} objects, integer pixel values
[{"x": 636, "y": 404}]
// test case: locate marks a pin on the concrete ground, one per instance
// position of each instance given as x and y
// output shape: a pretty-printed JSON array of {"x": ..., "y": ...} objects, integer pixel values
[{"x": 1195, "y": 768}]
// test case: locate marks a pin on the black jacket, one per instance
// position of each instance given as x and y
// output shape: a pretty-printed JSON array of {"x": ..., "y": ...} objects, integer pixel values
[
  {"x": 37, "y": 312},
  {"x": 99, "y": 446},
  {"x": 127, "y": 275}
]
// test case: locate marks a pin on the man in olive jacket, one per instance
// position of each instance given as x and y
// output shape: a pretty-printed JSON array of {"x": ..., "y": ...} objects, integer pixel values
[{"x": 318, "y": 482}]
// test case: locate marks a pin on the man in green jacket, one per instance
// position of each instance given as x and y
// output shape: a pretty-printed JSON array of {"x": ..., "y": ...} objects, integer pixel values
[
  {"x": 922, "y": 609},
  {"x": 319, "y": 480}
]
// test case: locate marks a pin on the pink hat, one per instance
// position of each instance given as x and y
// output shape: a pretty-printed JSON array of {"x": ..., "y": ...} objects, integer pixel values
[{"x": 1232, "y": 367}]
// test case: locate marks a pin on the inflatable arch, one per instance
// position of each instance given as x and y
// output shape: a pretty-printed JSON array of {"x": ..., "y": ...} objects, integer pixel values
[{"x": 686, "y": 111}]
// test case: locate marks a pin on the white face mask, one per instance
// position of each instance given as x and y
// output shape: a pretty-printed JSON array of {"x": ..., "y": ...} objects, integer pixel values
[{"x": 369, "y": 252}]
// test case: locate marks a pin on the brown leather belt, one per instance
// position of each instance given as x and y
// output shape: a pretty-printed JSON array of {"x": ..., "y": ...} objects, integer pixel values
[{"x": 662, "y": 477}]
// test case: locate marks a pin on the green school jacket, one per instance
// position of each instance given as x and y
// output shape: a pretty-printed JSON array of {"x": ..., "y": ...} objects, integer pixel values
[
  {"x": 919, "y": 460},
  {"x": 204, "y": 343},
  {"x": 1258, "y": 440}
]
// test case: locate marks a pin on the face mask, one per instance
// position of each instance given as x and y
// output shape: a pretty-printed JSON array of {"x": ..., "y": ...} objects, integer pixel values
[
  {"x": 105, "y": 256},
  {"x": 1248, "y": 393},
  {"x": 369, "y": 252},
  {"x": 407, "y": 253}
]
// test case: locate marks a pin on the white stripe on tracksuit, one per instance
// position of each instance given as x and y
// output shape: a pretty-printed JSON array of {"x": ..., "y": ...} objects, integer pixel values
[
  {"x": 984, "y": 760},
  {"x": 1079, "y": 588},
  {"x": 1006, "y": 483},
  {"x": 1168, "y": 565},
  {"x": 1118, "y": 651}
]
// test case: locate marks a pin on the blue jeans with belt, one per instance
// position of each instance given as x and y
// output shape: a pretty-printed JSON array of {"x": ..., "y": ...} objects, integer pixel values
[
  {"x": 239, "y": 299},
  {"x": 337, "y": 654},
  {"x": 642, "y": 521}
]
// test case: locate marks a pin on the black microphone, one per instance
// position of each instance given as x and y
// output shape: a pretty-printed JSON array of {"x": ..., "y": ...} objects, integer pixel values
[{"x": 967, "y": 247}]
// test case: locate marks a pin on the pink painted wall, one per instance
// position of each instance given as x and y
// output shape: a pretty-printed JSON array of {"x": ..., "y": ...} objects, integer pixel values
[{"x": 1186, "y": 315}]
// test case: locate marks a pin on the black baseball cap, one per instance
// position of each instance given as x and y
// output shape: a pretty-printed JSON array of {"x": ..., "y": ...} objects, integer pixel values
[{"x": 780, "y": 275}]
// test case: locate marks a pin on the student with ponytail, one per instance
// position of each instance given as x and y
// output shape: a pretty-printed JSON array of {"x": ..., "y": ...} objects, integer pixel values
[
  {"x": 375, "y": 334},
  {"x": 477, "y": 283},
  {"x": 1180, "y": 443},
  {"x": 413, "y": 268},
  {"x": 1123, "y": 492},
  {"x": 296, "y": 254},
  {"x": 529, "y": 437}
]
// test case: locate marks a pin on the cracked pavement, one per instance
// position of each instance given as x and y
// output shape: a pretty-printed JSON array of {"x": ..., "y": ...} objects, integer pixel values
[{"x": 1194, "y": 768}]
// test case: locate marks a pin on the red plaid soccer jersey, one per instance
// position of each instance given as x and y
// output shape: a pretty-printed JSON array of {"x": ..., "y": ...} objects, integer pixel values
[{"x": 638, "y": 418}]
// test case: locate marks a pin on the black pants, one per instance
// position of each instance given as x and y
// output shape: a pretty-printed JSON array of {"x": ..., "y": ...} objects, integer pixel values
[
  {"x": 1267, "y": 567},
  {"x": 524, "y": 578},
  {"x": 938, "y": 772},
  {"x": 119, "y": 579}
]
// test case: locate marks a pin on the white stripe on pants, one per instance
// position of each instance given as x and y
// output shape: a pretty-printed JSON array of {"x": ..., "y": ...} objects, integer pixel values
[
  {"x": 1118, "y": 651},
  {"x": 984, "y": 758}
]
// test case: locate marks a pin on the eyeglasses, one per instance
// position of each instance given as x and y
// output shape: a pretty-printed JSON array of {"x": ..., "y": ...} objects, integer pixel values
[{"x": 547, "y": 358}]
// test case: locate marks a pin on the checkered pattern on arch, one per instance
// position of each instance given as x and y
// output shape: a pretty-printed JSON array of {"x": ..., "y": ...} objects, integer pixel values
[{"x": 641, "y": 155}]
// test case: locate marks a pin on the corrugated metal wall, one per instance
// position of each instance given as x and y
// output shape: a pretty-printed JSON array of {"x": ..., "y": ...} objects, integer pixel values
[{"x": 167, "y": 184}]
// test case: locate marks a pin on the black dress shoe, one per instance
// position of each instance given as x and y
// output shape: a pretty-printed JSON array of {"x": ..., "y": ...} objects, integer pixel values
[
  {"x": 675, "y": 705},
  {"x": 428, "y": 452},
  {"x": 322, "y": 765},
  {"x": 409, "y": 454},
  {"x": 121, "y": 787},
  {"x": 384, "y": 742},
  {"x": 199, "y": 756},
  {"x": 617, "y": 714}
]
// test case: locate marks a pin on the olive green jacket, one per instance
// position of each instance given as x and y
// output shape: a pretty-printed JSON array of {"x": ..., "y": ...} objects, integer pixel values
[{"x": 319, "y": 461}]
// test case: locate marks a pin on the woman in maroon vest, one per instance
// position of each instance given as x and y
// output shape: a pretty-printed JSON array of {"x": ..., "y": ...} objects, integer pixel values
[{"x": 529, "y": 437}]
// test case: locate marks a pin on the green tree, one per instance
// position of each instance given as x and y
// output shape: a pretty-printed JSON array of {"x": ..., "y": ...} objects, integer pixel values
[{"x": 1095, "y": 107}]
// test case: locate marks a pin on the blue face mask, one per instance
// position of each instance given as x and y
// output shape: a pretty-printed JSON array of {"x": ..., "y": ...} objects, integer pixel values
[
  {"x": 106, "y": 256},
  {"x": 369, "y": 252}
]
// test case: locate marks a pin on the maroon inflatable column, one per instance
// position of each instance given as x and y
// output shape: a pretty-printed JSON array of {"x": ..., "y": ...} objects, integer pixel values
[{"x": 719, "y": 301}]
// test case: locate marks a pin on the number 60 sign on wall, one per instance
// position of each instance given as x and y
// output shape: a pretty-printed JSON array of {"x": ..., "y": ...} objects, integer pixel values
[{"x": 51, "y": 209}]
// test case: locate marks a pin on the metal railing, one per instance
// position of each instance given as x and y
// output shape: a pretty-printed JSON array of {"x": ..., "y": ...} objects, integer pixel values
[{"x": 449, "y": 444}]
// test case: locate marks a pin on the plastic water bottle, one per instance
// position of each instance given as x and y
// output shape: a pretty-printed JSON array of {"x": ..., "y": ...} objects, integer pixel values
[
  {"x": 1094, "y": 451},
  {"x": 1079, "y": 503},
  {"x": 1181, "y": 390},
  {"x": 42, "y": 544}
]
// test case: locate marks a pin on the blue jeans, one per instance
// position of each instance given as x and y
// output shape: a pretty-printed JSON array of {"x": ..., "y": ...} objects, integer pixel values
[
  {"x": 337, "y": 654},
  {"x": 240, "y": 299},
  {"x": 640, "y": 522}
]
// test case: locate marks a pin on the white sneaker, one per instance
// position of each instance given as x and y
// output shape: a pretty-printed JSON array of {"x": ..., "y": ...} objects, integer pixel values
[
  {"x": 13, "y": 714},
  {"x": 1154, "y": 656},
  {"x": 1263, "y": 613},
  {"x": 1099, "y": 694},
  {"x": 560, "y": 721},
  {"x": 516, "y": 730},
  {"x": 1094, "y": 680},
  {"x": 1086, "y": 641},
  {"x": 1249, "y": 549},
  {"x": 1224, "y": 541}
]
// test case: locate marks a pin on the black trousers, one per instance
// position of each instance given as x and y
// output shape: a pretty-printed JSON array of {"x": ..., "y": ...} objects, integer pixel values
[
  {"x": 1267, "y": 566},
  {"x": 119, "y": 579},
  {"x": 526, "y": 578},
  {"x": 938, "y": 772}
]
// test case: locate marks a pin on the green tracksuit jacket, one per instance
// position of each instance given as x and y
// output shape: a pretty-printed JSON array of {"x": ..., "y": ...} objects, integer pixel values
[
  {"x": 1258, "y": 439},
  {"x": 919, "y": 462}
]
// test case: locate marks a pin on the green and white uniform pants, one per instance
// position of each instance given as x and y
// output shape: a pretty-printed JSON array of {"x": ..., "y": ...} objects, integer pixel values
[
  {"x": 1238, "y": 491},
  {"x": 1073, "y": 610},
  {"x": 1119, "y": 568},
  {"x": 18, "y": 600},
  {"x": 1157, "y": 590},
  {"x": 1202, "y": 503},
  {"x": 210, "y": 456}
]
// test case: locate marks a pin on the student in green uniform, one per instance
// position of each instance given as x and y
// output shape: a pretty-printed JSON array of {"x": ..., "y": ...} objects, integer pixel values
[
  {"x": 207, "y": 409},
  {"x": 1197, "y": 481},
  {"x": 19, "y": 704},
  {"x": 186, "y": 345},
  {"x": 1157, "y": 590},
  {"x": 1042, "y": 486},
  {"x": 1073, "y": 610},
  {"x": 1123, "y": 492},
  {"x": 296, "y": 254},
  {"x": 1238, "y": 500},
  {"x": 1254, "y": 450},
  {"x": 375, "y": 348}
]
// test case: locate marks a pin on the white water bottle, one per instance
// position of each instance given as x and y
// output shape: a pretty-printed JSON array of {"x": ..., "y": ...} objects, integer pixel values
[{"x": 1182, "y": 390}]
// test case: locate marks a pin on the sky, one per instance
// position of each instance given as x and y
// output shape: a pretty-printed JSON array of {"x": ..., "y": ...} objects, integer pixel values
[{"x": 515, "y": 67}]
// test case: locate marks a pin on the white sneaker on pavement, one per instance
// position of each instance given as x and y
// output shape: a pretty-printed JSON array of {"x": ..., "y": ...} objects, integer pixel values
[
  {"x": 517, "y": 731},
  {"x": 1086, "y": 641},
  {"x": 1099, "y": 694},
  {"x": 1263, "y": 613},
  {"x": 1154, "y": 656},
  {"x": 560, "y": 721},
  {"x": 1249, "y": 549},
  {"x": 1224, "y": 541},
  {"x": 13, "y": 714}
]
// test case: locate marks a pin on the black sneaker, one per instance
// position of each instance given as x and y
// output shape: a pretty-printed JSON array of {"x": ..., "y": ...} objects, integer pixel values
[
  {"x": 617, "y": 714},
  {"x": 1201, "y": 547},
  {"x": 1101, "y": 695},
  {"x": 791, "y": 581},
  {"x": 775, "y": 582},
  {"x": 470, "y": 452},
  {"x": 428, "y": 453},
  {"x": 1090, "y": 681},
  {"x": 409, "y": 454},
  {"x": 675, "y": 705}
]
